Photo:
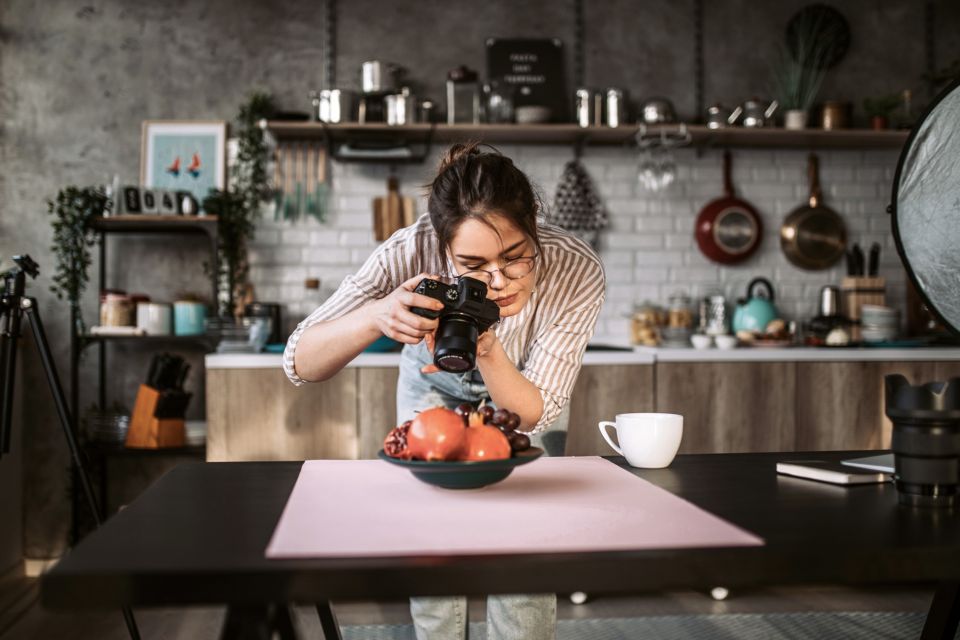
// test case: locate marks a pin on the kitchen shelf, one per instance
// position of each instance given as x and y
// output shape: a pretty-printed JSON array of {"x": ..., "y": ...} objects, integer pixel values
[
  {"x": 149, "y": 223},
  {"x": 701, "y": 136}
]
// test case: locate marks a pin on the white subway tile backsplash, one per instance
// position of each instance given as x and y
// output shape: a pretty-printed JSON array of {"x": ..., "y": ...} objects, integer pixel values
[
  {"x": 326, "y": 255},
  {"x": 648, "y": 249}
]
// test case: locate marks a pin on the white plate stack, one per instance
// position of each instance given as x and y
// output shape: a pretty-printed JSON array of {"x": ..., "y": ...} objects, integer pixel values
[{"x": 879, "y": 323}]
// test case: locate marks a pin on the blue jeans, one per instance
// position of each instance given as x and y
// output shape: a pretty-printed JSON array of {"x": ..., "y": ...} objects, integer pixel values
[{"x": 509, "y": 617}]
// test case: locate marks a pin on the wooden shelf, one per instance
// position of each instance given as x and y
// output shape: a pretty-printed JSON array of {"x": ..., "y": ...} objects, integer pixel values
[
  {"x": 701, "y": 136},
  {"x": 151, "y": 223}
]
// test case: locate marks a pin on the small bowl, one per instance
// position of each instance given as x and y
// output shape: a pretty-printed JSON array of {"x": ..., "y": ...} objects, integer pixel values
[
  {"x": 464, "y": 475},
  {"x": 701, "y": 341},
  {"x": 726, "y": 342},
  {"x": 532, "y": 114}
]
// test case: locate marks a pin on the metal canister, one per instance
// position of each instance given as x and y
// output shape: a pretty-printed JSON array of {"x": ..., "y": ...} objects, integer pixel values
[
  {"x": 374, "y": 76},
  {"x": 615, "y": 108},
  {"x": 589, "y": 107},
  {"x": 834, "y": 115},
  {"x": 334, "y": 105},
  {"x": 401, "y": 108}
]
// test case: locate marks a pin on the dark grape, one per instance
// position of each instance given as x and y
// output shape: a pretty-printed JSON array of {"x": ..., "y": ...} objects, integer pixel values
[
  {"x": 500, "y": 416},
  {"x": 464, "y": 409},
  {"x": 512, "y": 422},
  {"x": 519, "y": 441},
  {"x": 486, "y": 412},
  {"x": 406, "y": 425}
]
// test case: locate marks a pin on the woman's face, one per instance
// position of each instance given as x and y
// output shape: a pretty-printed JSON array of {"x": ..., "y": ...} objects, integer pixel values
[{"x": 476, "y": 246}]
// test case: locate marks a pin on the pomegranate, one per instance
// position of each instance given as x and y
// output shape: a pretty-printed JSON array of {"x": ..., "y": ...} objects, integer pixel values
[
  {"x": 436, "y": 434},
  {"x": 484, "y": 442},
  {"x": 395, "y": 444}
]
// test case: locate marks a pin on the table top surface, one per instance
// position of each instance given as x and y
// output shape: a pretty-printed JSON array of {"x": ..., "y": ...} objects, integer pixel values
[{"x": 199, "y": 533}]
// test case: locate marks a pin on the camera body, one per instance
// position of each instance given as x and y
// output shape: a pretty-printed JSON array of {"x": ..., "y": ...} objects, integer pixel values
[{"x": 465, "y": 315}]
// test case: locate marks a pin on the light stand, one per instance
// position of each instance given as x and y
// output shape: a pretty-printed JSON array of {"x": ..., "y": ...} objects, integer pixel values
[{"x": 13, "y": 306}]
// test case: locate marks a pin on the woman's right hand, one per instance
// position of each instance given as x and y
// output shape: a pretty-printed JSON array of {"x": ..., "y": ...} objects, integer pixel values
[{"x": 394, "y": 318}]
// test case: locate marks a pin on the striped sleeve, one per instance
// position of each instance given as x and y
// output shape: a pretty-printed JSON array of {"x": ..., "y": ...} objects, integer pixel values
[
  {"x": 391, "y": 264},
  {"x": 572, "y": 307}
]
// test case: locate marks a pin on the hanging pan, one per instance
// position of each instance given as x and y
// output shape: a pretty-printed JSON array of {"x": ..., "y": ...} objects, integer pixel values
[
  {"x": 813, "y": 236},
  {"x": 728, "y": 229}
]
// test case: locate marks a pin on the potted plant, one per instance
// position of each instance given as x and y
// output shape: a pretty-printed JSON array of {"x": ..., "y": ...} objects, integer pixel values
[
  {"x": 238, "y": 207},
  {"x": 880, "y": 109},
  {"x": 801, "y": 65},
  {"x": 72, "y": 211}
]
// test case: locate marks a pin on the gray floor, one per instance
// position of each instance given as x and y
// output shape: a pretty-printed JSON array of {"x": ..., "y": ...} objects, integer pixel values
[{"x": 21, "y": 616}]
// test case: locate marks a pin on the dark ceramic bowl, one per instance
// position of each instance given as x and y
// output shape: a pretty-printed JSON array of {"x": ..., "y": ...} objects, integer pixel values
[{"x": 464, "y": 475}]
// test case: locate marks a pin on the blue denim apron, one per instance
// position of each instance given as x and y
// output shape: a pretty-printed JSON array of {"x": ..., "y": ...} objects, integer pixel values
[{"x": 417, "y": 391}]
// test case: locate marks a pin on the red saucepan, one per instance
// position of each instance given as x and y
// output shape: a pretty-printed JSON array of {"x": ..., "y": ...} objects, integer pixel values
[{"x": 728, "y": 229}]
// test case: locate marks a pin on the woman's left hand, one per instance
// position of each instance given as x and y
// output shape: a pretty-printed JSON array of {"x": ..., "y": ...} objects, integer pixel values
[{"x": 485, "y": 344}]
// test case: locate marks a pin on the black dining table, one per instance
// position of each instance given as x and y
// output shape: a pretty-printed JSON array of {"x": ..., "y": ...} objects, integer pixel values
[{"x": 198, "y": 536}]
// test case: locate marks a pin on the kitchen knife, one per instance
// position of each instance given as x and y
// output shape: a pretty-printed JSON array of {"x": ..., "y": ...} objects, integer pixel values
[
  {"x": 851, "y": 267},
  {"x": 874, "y": 259},
  {"x": 857, "y": 260}
]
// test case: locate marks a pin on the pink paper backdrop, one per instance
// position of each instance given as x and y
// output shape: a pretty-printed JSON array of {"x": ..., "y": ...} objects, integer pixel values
[{"x": 371, "y": 508}]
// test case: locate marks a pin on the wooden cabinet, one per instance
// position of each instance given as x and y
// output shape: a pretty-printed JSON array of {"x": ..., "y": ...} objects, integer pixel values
[
  {"x": 729, "y": 406},
  {"x": 256, "y": 414},
  {"x": 601, "y": 392}
]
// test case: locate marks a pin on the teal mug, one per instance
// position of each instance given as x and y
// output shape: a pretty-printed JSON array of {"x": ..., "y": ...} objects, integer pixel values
[{"x": 188, "y": 318}]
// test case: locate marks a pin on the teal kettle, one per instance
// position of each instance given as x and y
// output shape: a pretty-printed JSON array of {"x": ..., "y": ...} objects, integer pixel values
[{"x": 754, "y": 312}]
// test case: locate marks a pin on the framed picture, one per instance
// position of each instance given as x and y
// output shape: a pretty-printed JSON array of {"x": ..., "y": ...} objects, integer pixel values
[{"x": 184, "y": 155}]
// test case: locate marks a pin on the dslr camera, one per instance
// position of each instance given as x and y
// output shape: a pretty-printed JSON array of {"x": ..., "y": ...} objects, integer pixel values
[{"x": 465, "y": 315}]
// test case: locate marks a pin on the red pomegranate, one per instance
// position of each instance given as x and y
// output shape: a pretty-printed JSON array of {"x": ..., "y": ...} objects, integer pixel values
[
  {"x": 436, "y": 434},
  {"x": 484, "y": 442}
]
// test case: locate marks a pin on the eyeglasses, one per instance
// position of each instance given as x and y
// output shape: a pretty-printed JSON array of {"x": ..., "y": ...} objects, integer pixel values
[{"x": 513, "y": 270}]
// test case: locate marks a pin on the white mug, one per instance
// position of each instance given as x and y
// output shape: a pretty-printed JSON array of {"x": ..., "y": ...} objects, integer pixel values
[
  {"x": 155, "y": 318},
  {"x": 647, "y": 440}
]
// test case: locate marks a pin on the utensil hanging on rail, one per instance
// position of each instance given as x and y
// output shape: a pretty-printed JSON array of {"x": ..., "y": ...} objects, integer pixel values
[
  {"x": 728, "y": 229},
  {"x": 813, "y": 236}
]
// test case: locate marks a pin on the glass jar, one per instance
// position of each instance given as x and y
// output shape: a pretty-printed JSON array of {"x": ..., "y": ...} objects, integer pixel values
[
  {"x": 645, "y": 324},
  {"x": 498, "y": 102},
  {"x": 116, "y": 310},
  {"x": 679, "y": 315},
  {"x": 463, "y": 96}
]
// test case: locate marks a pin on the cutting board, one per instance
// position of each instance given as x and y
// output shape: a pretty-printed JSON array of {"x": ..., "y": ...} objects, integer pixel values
[{"x": 392, "y": 212}]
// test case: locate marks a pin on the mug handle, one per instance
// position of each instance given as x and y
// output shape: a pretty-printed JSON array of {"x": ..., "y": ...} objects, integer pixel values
[{"x": 606, "y": 436}]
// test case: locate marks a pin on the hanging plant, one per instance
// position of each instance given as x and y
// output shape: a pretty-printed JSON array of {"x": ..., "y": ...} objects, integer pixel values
[
  {"x": 238, "y": 208},
  {"x": 72, "y": 211}
]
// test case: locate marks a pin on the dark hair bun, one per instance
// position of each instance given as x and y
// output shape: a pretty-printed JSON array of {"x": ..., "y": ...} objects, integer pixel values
[{"x": 459, "y": 153}]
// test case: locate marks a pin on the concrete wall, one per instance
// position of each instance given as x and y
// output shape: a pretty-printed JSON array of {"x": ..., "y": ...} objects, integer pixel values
[{"x": 77, "y": 79}]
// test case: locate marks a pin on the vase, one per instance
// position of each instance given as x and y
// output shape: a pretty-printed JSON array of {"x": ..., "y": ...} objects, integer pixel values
[
  {"x": 795, "y": 119},
  {"x": 878, "y": 123}
]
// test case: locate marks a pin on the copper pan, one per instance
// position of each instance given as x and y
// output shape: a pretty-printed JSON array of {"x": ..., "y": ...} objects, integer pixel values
[{"x": 813, "y": 236}]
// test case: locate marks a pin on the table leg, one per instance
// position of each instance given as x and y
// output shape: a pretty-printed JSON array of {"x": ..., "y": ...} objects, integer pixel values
[
  {"x": 328, "y": 621},
  {"x": 944, "y": 614},
  {"x": 258, "y": 622}
]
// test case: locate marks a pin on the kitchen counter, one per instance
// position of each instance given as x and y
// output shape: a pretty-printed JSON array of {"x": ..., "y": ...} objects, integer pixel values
[{"x": 647, "y": 355}]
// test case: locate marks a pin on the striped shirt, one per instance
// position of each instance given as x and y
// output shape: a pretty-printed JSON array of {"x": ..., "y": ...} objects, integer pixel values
[{"x": 545, "y": 340}]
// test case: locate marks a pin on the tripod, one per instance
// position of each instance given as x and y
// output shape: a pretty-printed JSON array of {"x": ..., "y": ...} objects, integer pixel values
[{"x": 13, "y": 306}]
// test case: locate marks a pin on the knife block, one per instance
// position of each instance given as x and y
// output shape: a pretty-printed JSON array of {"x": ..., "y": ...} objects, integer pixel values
[
  {"x": 858, "y": 291},
  {"x": 150, "y": 432}
]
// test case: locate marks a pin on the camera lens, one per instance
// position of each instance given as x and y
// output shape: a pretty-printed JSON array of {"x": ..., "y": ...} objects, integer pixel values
[{"x": 456, "y": 346}]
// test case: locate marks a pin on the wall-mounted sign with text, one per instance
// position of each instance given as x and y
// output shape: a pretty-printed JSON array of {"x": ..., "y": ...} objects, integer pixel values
[{"x": 534, "y": 68}]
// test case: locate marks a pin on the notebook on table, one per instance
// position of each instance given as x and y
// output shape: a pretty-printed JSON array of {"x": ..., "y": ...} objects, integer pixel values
[{"x": 882, "y": 463}]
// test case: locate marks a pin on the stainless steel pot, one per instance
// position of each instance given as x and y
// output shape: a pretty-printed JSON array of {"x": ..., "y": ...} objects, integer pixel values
[{"x": 658, "y": 111}]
